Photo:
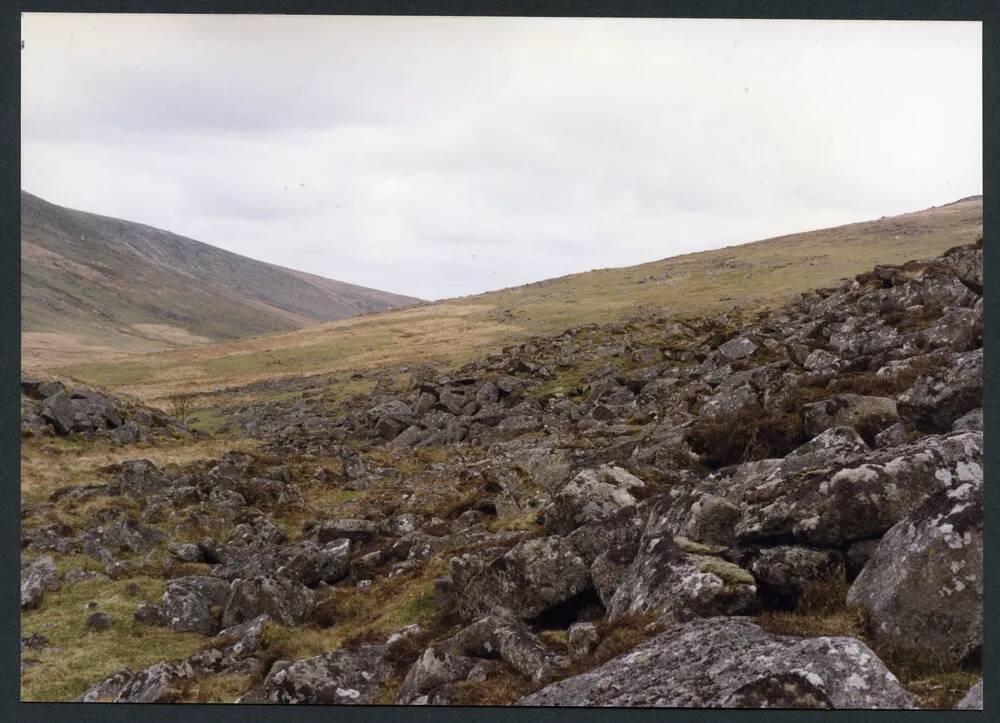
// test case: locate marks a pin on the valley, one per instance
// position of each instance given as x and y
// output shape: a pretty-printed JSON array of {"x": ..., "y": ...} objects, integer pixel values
[{"x": 680, "y": 484}]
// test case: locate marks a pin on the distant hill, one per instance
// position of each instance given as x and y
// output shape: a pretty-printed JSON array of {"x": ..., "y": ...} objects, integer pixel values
[
  {"x": 750, "y": 276},
  {"x": 92, "y": 283}
]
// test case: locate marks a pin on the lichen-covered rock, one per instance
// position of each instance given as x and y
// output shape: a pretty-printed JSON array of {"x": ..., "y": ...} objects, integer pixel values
[
  {"x": 510, "y": 640},
  {"x": 467, "y": 655},
  {"x": 532, "y": 577},
  {"x": 967, "y": 263},
  {"x": 37, "y": 577},
  {"x": 732, "y": 663},
  {"x": 349, "y": 529},
  {"x": 858, "y": 498},
  {"x": 591, "y": 495},
  {"x": 194, "y": 604},
  {"x": 581, "y": 639},
  {"x": 622, "y": 528},
  {"x": 923, "y": 586},
  {"x": 235, "y": 650},
  {"x": 434, "y": 668},
  {"x": 700, "y": 516},
  {"x": 137, "y": 478},
  {"x": 664, "y": 577},
  {"x": 738, "y": 348},
  {"x": 156, "y": 684},
  {"x": 610, "y": 569},
  {"x": 260, "y": 532},
  {"x": 302, "y": 561},
  {"x": 341, "y": 677},
  {"x": 820, "y": 359},
  {"x": 942, "y": 395},
  {"x": 121, "y": 536},
  {"x": 106, "y": 690},
  {"x": 185, "y": 551},
  {"x": 284, "y": 600}
]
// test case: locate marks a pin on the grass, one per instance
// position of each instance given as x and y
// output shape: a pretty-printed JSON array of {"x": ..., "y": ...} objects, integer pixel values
[
  {"x": 348, "y": 615},
  {"x": 48, "y": 463},
  {"x": 527, "y": 522},
  {"x": 726, "y": 571},
  {"x": 215, "y": 689},
  {"x": 75, "y": 659},
  {"x": 751, "y": 276}
]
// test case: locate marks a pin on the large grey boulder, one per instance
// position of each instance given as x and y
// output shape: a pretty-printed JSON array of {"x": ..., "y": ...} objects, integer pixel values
[
  {"x": 532, "y": 577},
  {"x": 303, "y": 561},
  {"x": 433, "y": 669},
  {"x": 591, "y": 495},
  {"x": 728, "y": 662},
  {"x": 857, "y": 498},
  {"x": 194, "y": 604},
  {"x": 345, "y": 528},
  {"x": 79, "y": 411},
  {"x": 341, "y": 677},
  {"x": 284, "y": 600},
  {"x": 621, "y": 528},
  {"x": 59, "y": 411},
  {"x": 510, "y": 640},
  {"x": 699, "y": 516},
  {"x": 940, "y": 396},
  {"x": 923, "y": 586},
  {"x": 667, "y": 578},
  {"x": 466, "y": 656},
  {"x": 967, "y": 264}
]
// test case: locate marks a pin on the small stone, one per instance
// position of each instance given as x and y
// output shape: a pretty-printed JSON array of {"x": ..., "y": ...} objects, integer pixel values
[{"x": 98, "y": 621}]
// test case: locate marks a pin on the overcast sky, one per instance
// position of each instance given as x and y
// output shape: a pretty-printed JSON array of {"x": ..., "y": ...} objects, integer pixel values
[{"x": 445, "y": 156}]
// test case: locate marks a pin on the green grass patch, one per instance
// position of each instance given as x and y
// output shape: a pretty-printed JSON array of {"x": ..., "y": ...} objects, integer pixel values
[{"x": 75, "y": 658}]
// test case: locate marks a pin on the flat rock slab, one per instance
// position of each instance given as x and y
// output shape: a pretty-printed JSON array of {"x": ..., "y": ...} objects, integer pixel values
[{"x": 732, "y": 663}]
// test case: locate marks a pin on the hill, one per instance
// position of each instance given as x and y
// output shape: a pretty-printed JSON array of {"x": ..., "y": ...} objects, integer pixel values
[
  {"x": 777, "y": 509},
  {"x": 93, "y": 284},
  {"x": 750, "y": 276}
]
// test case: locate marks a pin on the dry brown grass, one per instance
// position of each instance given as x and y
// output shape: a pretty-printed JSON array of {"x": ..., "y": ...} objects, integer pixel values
[
  {"x": 214, "y": 689},
  {"x": 48, "y": 463},
  {"x": 503, "y": 689},
  {"x": 751, "y": 276}
]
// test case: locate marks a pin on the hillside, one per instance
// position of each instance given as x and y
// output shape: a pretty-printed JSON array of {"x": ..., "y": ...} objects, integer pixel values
[
  {"x": 750, "y": 276},
  {"x": 763, "y": 509},
  {"x": 93, "y": 284}
]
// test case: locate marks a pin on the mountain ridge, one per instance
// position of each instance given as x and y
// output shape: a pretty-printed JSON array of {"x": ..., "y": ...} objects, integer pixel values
[{"x": 99, "y": 282}]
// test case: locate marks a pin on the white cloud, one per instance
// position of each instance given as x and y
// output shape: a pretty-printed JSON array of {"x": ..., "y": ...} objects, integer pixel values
[{"x": 445, "y": 156}]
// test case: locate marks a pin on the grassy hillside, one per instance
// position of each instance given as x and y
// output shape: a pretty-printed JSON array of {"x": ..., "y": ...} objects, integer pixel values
[
  {"x": 751, "y": 275},
  {"x": 92, "y": 284}
]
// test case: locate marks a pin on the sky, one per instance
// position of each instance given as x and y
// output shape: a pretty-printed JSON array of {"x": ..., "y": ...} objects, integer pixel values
[{"x": 440, "y": 157}]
